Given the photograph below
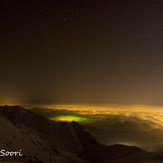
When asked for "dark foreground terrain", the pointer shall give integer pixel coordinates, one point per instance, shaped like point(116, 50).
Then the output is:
point(43, 140)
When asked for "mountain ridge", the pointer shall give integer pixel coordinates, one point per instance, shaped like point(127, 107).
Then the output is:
point(43, 140)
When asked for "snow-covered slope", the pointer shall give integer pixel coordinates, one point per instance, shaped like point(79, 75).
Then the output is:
point(40, 137)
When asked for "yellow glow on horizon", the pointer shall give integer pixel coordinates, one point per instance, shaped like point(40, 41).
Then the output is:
point(151, 113)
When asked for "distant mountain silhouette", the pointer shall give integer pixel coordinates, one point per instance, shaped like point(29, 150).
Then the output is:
point(119, 154)
point(41, 139)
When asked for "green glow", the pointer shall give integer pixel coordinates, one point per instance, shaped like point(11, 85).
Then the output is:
point(69, 118)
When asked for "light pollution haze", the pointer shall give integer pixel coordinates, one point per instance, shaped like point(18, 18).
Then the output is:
point(151, 113)
point(113, 124)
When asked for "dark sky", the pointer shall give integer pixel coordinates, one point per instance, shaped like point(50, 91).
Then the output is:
point(81, 51)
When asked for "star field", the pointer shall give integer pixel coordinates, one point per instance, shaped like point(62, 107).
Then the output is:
point(68, 51)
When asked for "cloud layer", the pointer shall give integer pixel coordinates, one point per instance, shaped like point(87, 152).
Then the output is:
point(118, 129)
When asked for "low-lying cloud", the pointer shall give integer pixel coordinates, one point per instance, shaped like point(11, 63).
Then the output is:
point(118, 129)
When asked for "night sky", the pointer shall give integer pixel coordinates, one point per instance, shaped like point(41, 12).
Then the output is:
point(81, 51)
